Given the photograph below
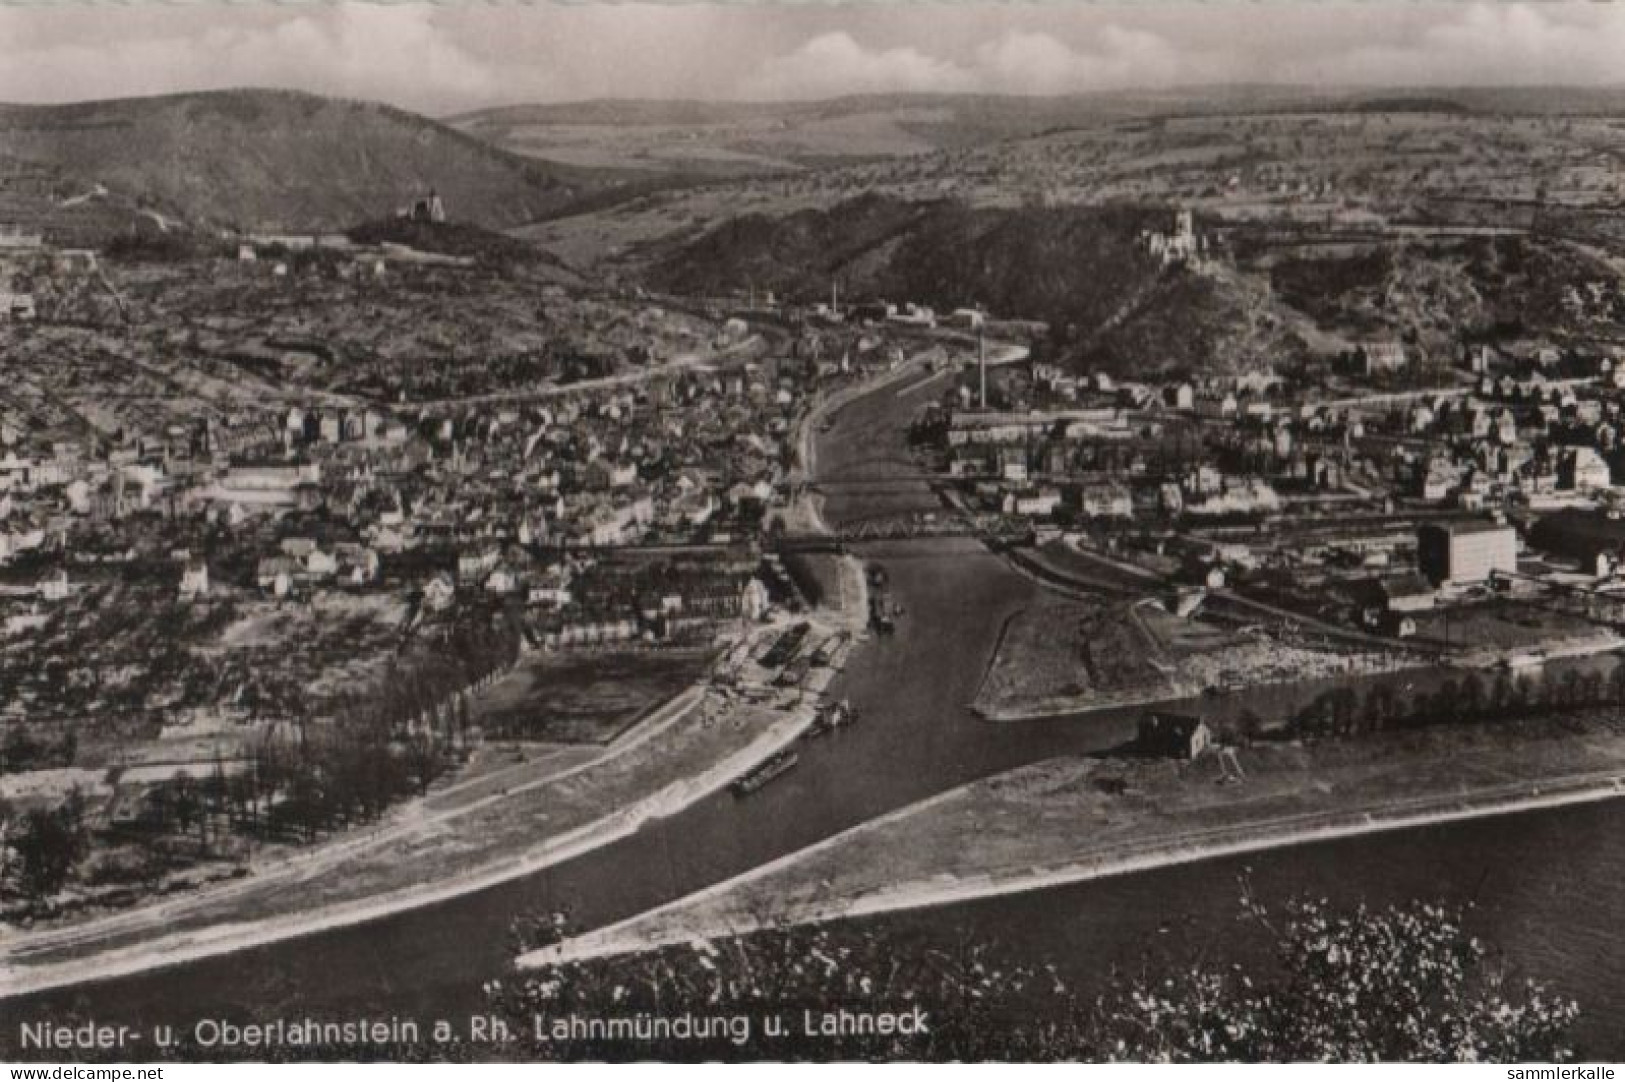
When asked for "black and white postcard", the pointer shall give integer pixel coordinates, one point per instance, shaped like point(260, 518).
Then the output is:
point(778, 532)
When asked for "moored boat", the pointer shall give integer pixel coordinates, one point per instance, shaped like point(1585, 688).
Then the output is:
point(764, 772)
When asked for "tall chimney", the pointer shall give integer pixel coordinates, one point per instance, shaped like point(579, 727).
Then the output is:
point(981, 348)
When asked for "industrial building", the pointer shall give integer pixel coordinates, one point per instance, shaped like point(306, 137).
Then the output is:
point(1465, 552)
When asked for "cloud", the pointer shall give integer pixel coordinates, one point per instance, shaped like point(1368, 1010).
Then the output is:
point(1016, 62)
point(1480, 44)
point(834, 64)
point(444, 58)
point(1038, 63)
point(1493, 44)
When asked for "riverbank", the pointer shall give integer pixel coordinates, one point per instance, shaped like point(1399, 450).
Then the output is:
point(452, 842)
point(1073, 819)
point(483, 831)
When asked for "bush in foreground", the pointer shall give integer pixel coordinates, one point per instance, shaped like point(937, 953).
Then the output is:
point(1406, 983)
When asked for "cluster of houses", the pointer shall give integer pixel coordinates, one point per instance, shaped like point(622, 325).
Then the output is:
point(302, 560)
point(1531, 441)
point(1534, 428)
point(491, 504)
point(1099, 448)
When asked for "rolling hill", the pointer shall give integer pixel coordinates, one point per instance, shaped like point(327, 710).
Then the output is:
point(1082, 270)
point(724, 139)
point(269, 160)
point(699, 139)
point(1060, 265)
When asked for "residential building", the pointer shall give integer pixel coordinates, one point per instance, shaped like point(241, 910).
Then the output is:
point(1174, 736)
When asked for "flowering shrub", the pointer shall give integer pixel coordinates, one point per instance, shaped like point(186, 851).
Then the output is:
point(1406, 983)
point(975, 1005)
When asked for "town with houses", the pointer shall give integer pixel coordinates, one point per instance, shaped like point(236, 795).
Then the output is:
point(228, 544)
point(229, 533)
point(783, 567)
point(194, 563)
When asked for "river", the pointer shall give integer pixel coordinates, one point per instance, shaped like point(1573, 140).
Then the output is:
point(1544, 881)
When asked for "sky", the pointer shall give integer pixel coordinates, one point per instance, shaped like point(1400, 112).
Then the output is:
point(450, 57)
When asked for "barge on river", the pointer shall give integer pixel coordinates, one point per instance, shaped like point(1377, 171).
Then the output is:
point(781, 763)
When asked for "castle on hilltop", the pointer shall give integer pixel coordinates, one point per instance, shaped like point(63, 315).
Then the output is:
point(1183, 247)
point(427, 209)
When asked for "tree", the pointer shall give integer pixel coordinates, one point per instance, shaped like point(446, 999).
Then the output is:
point(1333, 712)
point(422, 760)
point(49, 844)
point(188, 807)
point(1381, 706)
point(1249, 726)
point(1590, 689)
point(1616, 685)
point(460, 720)
point(1345, 709)
point(1501, 696)
point(1446, 705)
point(1473, 697)
point(18, 751)
point(1566, 690)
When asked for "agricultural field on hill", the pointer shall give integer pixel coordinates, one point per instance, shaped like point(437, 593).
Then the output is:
point(1330, 168)
point(326, 327)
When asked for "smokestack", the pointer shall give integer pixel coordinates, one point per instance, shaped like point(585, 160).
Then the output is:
point(981, 349)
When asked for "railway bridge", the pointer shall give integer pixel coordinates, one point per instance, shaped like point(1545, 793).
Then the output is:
point(907, 526)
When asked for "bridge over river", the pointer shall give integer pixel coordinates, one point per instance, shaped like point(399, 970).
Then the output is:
point(907, 526)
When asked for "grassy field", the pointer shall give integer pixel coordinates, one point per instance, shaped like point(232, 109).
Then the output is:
point(1071, 653)
point(1503, 626)
point(1078, 656)
point(1065, 807)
